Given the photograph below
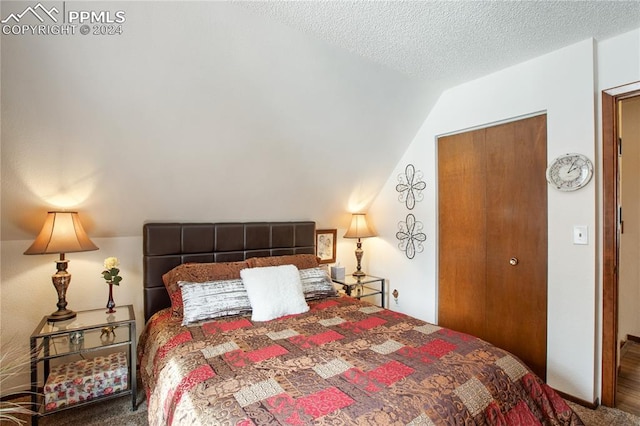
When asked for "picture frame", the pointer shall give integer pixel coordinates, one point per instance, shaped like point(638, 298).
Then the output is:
point(326, 245)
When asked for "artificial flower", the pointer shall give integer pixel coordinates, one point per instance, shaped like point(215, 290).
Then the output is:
point(110, 274)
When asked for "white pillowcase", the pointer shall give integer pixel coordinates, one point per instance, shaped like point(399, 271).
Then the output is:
point(274, 291)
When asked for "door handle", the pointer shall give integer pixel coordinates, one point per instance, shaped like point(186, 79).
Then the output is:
point(513, 261)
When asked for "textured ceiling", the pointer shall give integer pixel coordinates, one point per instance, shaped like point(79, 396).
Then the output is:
point(449, 42)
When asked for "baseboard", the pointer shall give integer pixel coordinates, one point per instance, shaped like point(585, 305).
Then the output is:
point(626, 344)
point(590, 405)
point(15, 395)
point(624, 347)
point(633, 338)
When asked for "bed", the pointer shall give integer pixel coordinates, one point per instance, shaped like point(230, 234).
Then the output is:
point(217, 349)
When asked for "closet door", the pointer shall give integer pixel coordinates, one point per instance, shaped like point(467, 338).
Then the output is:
point(493, 236)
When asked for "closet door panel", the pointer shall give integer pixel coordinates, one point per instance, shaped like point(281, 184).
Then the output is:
point(516, 191)
point(462, 235)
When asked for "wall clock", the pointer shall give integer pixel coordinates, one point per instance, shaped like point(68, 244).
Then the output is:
point(569, 172)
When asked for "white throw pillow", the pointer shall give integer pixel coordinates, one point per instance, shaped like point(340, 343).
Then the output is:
point(274, 291)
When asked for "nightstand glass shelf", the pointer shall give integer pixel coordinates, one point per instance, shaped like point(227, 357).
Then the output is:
point(363, 287)
point(92, 334)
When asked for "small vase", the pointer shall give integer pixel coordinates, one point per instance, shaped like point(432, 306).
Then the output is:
point(111, 304)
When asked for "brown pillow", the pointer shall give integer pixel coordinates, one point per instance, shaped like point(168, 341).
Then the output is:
point(198, 273)
point(301, 261)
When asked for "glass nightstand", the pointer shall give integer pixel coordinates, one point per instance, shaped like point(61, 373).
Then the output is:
point(92, 336)
point(363, 287)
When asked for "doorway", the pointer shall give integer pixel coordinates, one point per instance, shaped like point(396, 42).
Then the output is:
point(613, 225)
point(492, 233)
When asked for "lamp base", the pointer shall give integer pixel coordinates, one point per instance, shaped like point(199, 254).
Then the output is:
point(61, 315)
point(61, 280)
point(359, 252)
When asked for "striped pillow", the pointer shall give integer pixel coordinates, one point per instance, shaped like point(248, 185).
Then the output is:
point(198, 273)
point(213, 299)
point(316, 283)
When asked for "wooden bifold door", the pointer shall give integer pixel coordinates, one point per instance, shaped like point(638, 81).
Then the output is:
point(492, 230)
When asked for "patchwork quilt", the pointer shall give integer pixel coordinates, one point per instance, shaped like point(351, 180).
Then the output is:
point(345, 362)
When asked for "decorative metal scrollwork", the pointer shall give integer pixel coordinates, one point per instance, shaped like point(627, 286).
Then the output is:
point(410, 187)
point(411, 236)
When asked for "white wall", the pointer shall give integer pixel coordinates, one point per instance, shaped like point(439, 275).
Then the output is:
point(199, 111)
point(562, 84)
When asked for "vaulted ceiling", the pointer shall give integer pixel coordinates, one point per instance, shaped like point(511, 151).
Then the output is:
point(248, 110)
point(449, 42)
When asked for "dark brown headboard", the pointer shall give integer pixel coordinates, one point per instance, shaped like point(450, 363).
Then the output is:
point(167, 245)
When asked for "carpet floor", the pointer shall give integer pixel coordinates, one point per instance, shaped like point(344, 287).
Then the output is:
point(114, 412)
point(118, 412)
point(604, 416)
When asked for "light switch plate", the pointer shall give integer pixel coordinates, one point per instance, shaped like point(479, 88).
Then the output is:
point(580, 234)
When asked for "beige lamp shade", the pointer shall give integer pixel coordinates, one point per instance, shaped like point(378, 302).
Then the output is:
point(359, 227)
point(62, 232)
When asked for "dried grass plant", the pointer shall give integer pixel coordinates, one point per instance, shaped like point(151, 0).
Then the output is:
point(13, 362)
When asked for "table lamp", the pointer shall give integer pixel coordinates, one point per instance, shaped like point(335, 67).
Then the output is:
point(61, 233)
point(359, 228)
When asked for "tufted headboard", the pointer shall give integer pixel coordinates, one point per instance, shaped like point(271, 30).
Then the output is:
point(167, 245)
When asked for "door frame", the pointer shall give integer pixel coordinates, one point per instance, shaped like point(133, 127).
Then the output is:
point(610, 237)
